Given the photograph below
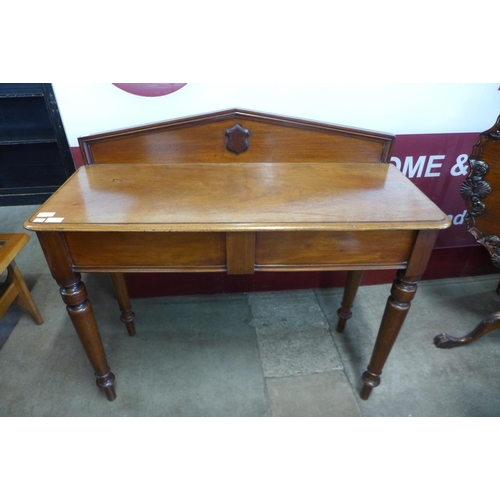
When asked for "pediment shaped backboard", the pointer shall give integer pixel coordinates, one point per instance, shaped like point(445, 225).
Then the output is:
point(237, 135)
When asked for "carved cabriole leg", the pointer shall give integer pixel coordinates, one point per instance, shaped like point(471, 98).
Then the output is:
point(396, 310)
point(120, 286)
point(490, 323)
point(74, 295)
point(350, 290)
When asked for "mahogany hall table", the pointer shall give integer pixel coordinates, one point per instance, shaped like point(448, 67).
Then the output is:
point(240, 218)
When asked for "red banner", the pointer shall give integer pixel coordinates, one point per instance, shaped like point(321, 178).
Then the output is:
point(437, 164)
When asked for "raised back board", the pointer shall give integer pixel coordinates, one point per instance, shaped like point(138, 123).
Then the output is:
point(237, 135)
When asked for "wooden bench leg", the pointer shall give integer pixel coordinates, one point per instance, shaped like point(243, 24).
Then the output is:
point(120, 286)
point(24, 298)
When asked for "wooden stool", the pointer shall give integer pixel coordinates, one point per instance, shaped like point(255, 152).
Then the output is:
point(14, 286)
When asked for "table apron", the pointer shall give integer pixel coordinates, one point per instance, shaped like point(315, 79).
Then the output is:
point(239, 253)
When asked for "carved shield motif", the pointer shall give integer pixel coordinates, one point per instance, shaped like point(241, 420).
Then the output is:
point(237, 139)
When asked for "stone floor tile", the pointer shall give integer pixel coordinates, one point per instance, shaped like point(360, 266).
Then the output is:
point(292, 333)
point(313, 395)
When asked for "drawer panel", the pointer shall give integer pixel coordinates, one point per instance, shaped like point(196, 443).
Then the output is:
point(320, 248)
point(154, 250)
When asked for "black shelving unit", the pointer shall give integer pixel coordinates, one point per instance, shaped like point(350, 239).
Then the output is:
point(35, 158)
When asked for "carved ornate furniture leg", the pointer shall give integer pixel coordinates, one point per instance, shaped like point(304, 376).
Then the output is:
point(350, 290)
point(490, 323)
point(398, 304)
point(122, 296)
point(480, 193)
point(74, 295)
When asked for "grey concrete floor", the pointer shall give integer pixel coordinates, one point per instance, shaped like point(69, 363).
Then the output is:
point(257, 354)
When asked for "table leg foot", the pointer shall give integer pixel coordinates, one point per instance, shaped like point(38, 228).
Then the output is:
point(445, 341)
point(343, 317)
point(370, 380)
point(107, 383)
point(129, 323)
point(121, 292)
point(351, 288)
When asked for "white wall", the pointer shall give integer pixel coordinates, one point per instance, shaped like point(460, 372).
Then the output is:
point(89, 108)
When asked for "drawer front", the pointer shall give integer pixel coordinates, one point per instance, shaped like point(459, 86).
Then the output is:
point(206, 251)
point(331, 249)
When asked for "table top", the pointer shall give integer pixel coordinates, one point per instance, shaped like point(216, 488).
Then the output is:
point(237, 197)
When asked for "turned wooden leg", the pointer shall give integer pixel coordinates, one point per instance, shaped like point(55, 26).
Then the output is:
point(122, 296)
point(350, 290)
point(397, 308)
point(402, 292)
point(490, 323)
point(74, 295)
point(24, 298)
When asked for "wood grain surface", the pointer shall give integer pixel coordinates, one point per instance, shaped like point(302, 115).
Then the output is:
point(239, 197)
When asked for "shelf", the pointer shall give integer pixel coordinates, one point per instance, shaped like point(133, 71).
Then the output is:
point(35, 153)
point(30, 198)
point(30, 177)
point(22, 191)
point(31, 141)
point(24, 120)
point(15, 139)
point(16, 90)
point(35, 158)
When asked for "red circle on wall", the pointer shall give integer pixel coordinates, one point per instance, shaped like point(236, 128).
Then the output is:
point(149, 89)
